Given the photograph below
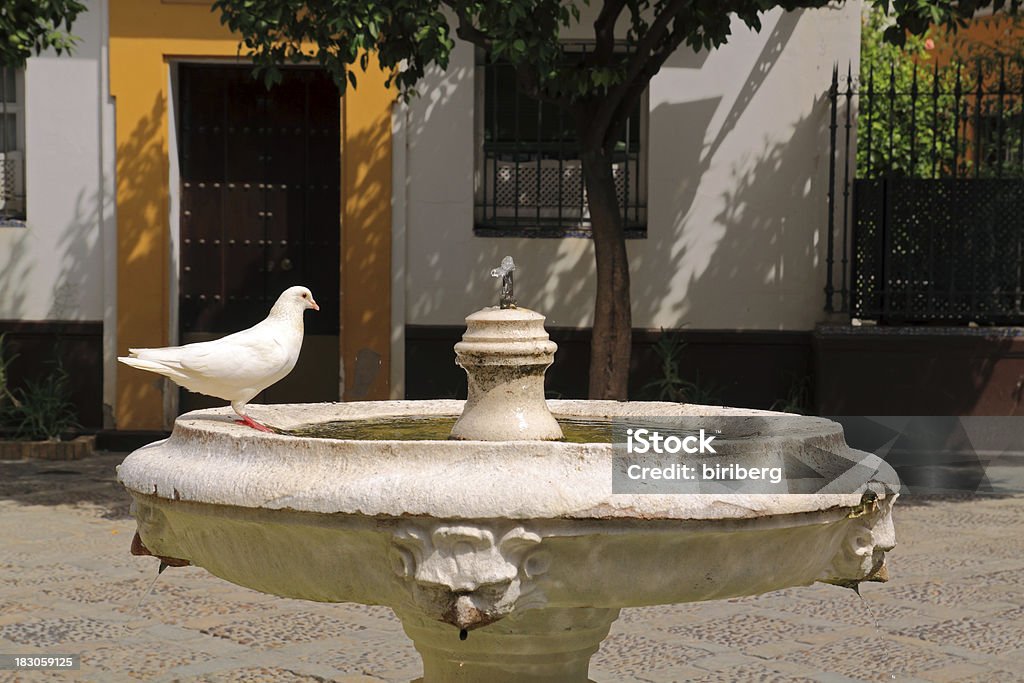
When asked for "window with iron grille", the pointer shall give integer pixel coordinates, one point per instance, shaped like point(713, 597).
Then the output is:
point(529, 178)
point(12, 146)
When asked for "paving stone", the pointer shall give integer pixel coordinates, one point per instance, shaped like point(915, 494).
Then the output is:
point(144, 664)
point(386, 657)
point(1000, 635)
point(746, 631)
point(48, 633)
point(843, 607)
point(971, 594)
point(750, 674)
point(262, 675)
point(279, 631)
point(642, 656)
point(991, 676)
point(871, 658)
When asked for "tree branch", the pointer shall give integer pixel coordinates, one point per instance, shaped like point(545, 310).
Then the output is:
point(604, 32)
point(466, 30)
point(636, 88)
point(529, 83)
point(655, 35)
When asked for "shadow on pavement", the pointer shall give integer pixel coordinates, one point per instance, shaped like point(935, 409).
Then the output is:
point(90, 481)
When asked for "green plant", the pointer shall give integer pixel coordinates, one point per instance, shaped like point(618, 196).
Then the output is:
point(7, 399)
point(798, 398)
point(931, 107)
point(42, 409)
point(707, 393)
point(908, 110)
point(671, 386)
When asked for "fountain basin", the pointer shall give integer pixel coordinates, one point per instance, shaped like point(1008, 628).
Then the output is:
point(523, 540)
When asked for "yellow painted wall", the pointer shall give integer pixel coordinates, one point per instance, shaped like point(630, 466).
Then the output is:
point(144, 36)
point(366, 238)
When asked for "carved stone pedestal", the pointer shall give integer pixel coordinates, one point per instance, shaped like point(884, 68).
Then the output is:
point(539, 645)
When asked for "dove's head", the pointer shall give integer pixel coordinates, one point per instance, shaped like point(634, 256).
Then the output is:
point(299, 298)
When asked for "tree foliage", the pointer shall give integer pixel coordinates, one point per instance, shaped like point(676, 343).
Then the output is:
point(916, 17)
point(907, 107)
point(28, 27)
point(408, 36)
point(919, 101)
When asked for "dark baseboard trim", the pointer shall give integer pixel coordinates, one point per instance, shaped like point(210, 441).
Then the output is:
point(67, 328)
point(641, 335)
point(752, 368)
point(126, 440)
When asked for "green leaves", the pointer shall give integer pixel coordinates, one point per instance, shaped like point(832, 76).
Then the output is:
point(916, 17)
point(409, 36)
point(406, 35)
point(28, 27)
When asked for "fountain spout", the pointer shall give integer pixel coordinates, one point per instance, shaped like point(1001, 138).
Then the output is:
point(504, 272)
point(505, 353)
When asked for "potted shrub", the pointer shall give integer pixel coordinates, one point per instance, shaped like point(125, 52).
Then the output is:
point(39, 420)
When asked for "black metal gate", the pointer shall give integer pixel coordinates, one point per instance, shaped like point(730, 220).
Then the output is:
point(938, 250)
point(929, 227)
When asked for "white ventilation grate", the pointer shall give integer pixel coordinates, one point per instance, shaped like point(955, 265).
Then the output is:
point(513, 188)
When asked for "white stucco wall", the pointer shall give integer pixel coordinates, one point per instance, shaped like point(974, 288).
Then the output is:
point(53, 268)
point(738, 173)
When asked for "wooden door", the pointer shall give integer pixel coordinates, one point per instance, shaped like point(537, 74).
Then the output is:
point(260, 212)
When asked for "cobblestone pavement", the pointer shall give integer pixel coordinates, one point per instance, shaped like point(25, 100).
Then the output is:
point(953, 610)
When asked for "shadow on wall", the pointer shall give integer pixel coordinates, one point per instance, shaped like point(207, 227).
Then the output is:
point(869, 371)
point(36, 347)
point(697, 158)
point(773, 48)
point(141, 166)
point(79, 249)
point(14, 274)
point(366, 226)
point(762, 248)
point(564, 274)
point(569, 271)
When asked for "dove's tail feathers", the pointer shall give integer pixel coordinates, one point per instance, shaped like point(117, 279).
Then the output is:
point(152, 366)
point(169, 355)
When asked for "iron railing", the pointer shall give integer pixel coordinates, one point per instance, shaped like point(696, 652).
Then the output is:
point(529, 175)
point(926, 194)
point(12, 168)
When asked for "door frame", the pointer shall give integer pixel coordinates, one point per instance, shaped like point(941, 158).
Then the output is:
point(145, 296)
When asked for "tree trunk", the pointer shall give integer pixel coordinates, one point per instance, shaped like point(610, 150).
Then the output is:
point(612, 339)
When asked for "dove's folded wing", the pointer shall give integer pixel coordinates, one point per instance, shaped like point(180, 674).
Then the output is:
point(238, 359)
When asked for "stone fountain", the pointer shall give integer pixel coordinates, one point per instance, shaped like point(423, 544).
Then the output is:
point(507, 553)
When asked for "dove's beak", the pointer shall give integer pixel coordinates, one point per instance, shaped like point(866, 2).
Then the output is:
point(313, 304)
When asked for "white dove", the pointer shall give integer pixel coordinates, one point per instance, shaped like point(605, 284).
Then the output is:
point(240, 365)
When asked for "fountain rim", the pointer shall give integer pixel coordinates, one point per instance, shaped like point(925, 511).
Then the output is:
point(210, 459)
point(283, 415)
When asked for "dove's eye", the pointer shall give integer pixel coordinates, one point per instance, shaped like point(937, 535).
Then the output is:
point(303, 296)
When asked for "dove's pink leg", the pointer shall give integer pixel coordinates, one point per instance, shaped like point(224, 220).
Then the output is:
point(246, 420)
